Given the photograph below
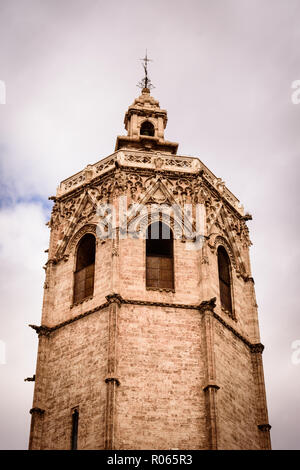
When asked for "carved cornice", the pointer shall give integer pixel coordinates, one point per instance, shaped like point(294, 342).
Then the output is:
point(183, 187)
point(146, 161)
point(207, 305)
point(49, 329)
point(100, 179)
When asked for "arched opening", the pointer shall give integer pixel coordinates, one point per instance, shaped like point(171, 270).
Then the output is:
point(224, 279)
point(147, 128)
point(85, 268)
point(159, 256)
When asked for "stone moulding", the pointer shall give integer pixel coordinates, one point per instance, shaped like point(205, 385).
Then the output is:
point(46, 330)
point(206, 305)
point(211, 385)
point(254, 347)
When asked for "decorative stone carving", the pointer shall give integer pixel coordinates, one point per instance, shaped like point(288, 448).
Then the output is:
point(41, 330)
point(257, 348)
point(100, 167)
point(264, 427)
point(158, 162)
point(138, 158)
point(208, 305)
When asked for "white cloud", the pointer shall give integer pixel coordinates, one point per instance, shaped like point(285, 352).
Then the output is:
point(23, 239)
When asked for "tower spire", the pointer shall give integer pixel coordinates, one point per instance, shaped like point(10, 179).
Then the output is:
point(145, 83)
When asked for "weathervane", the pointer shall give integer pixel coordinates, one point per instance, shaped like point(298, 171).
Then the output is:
point(145, 82)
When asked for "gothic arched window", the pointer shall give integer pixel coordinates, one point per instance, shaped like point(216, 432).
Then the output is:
point(147, 128)
point(85, 268)
point(159, 256)
point(224, 279)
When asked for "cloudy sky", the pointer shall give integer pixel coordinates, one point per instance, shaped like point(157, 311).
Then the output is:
point(223, 69)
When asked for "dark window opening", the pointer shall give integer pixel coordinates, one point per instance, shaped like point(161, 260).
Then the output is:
point(147, 128)
point(224, 279)
point(74, 436)
point(85, 268)
point(159, 256)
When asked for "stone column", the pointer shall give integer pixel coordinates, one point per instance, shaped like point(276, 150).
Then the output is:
point(133, 126)
point(160, 127)
point(36, 428)
point(48, 298)
point(205, 270)
point(205, 267)
point(252, 316)
point(38, 409)
point(210, 388)
point(111, 379)
point(115, 263)
point(262, 411)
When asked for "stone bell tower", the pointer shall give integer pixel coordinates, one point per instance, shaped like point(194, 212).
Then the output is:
point(149, 336)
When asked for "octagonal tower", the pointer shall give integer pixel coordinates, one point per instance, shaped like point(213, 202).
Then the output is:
point(149, 336)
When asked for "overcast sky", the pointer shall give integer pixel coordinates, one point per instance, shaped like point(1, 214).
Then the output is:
point(223, 69)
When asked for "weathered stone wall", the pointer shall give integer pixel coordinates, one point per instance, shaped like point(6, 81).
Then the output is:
point(76, 367)
point(160, 402)
point(236, 400)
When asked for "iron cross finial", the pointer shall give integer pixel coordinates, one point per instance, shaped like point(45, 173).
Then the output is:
point(145, 82)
